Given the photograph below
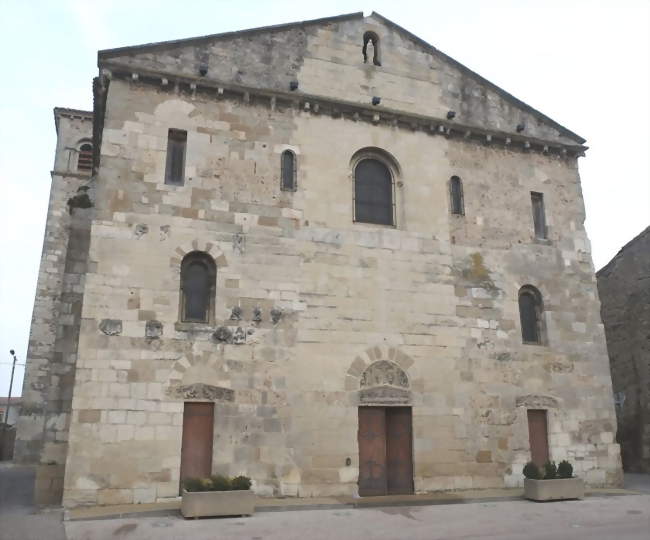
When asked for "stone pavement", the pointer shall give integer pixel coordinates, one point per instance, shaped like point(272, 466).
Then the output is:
point(595, 518)
point(19, 519)
point(476, 514)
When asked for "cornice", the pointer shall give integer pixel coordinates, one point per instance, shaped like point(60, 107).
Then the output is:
point(337, 108)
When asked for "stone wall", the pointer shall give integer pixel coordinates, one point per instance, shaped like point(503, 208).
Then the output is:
point(42, 430)
point(624, 287)
point(322, 299)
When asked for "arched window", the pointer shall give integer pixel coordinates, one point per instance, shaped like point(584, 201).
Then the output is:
point(456, 194)
point(198, 284)
point(371, 48)
point(530, 314)
point(85, 159)
point(288, 171)
point(373, 192)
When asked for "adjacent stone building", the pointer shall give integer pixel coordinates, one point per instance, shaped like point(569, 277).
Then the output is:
point(624, 287)
point(322, 254)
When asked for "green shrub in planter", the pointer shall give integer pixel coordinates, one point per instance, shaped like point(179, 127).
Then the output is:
point(193, 484)
point(565, 469)
point(550, 470)
point(532, 471)
point(220, 483)
point(241, 483)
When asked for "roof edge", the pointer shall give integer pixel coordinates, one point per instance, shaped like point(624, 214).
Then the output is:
point(481, 79)
point(605, 268)
point(107, 53)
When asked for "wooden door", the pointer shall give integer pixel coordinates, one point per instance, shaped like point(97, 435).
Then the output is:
point(198, 428)
point(538, 436)
point(372, 451)
point(399, 451)
point(385, 451)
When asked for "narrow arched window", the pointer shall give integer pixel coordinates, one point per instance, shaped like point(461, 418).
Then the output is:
point(530, 314)
point(85, 158)
point(370, 48)
point(373, 193)
point(198, 284)
point(456, 194)
point(288, 171)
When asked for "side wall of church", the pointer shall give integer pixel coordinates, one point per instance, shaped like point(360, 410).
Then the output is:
point(42, 430)
point(624, 288)
point(435, 295)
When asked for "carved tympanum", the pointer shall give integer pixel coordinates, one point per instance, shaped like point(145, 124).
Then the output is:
point(384, 373)
point(201, 391)
point(536, 401)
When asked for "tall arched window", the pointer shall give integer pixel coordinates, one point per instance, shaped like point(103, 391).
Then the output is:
point(530, 314)
point(373, 192)
point(456, 194)
point(371, 48)
point(198, 284)
point(288, 171)
point(85, 158)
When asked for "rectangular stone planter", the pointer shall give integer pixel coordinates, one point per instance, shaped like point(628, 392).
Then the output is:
point(197, 504)
point(554, 490)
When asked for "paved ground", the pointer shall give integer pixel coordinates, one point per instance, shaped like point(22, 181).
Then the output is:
point(624, 517)
point(19, 520)
point(598, 518)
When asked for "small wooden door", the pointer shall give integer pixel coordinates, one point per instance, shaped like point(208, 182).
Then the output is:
point(538, 436)
point(385, 451)
point(399, 452)
point(198, 428)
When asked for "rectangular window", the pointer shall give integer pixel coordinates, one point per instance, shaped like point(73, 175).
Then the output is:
point(175, 167)
point(539, 219)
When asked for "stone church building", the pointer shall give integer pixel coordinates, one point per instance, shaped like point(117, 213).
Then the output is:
point(624, 287)
point(322, 254)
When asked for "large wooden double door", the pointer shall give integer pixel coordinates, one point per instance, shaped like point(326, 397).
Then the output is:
point(385, 451)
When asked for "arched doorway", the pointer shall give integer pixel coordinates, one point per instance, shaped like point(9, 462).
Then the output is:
point(385, 432)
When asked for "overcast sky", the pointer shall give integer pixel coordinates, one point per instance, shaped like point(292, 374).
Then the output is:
point(584, 63)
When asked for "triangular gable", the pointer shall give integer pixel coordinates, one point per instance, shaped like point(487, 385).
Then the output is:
point(324, 57)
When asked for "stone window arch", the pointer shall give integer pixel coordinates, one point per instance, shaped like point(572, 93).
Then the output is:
point(370, 48)
point(456, 196)
point(288, 171)
point(197, 288)
point(374, 173)
point(531, 310)
point(85, 156)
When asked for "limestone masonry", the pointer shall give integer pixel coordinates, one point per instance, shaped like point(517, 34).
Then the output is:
point(324, 255)
point(624, 286)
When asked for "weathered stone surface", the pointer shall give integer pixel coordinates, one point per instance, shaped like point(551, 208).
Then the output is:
point(153, 329)
point(111, 327)
point(201, 391)
point(624, 289)
point(432, 299)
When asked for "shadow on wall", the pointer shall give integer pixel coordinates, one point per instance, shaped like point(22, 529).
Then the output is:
point(7, 438)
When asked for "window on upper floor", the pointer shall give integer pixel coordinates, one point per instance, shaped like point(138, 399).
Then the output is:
point(288, 171)
point(539, 217)
point(531, 314)
point(85, 157)
point(370, 48)
point(198, 287)
point(175, 165)
point(373, 192)
point(456, 196)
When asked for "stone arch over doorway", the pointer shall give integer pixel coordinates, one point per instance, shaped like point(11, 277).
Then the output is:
point(379, 376)
point(190, 379)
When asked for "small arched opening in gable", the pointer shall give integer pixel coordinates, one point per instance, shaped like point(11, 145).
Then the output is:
point(370, 48)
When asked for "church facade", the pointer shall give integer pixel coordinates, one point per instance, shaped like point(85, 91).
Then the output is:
point(322, 254)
